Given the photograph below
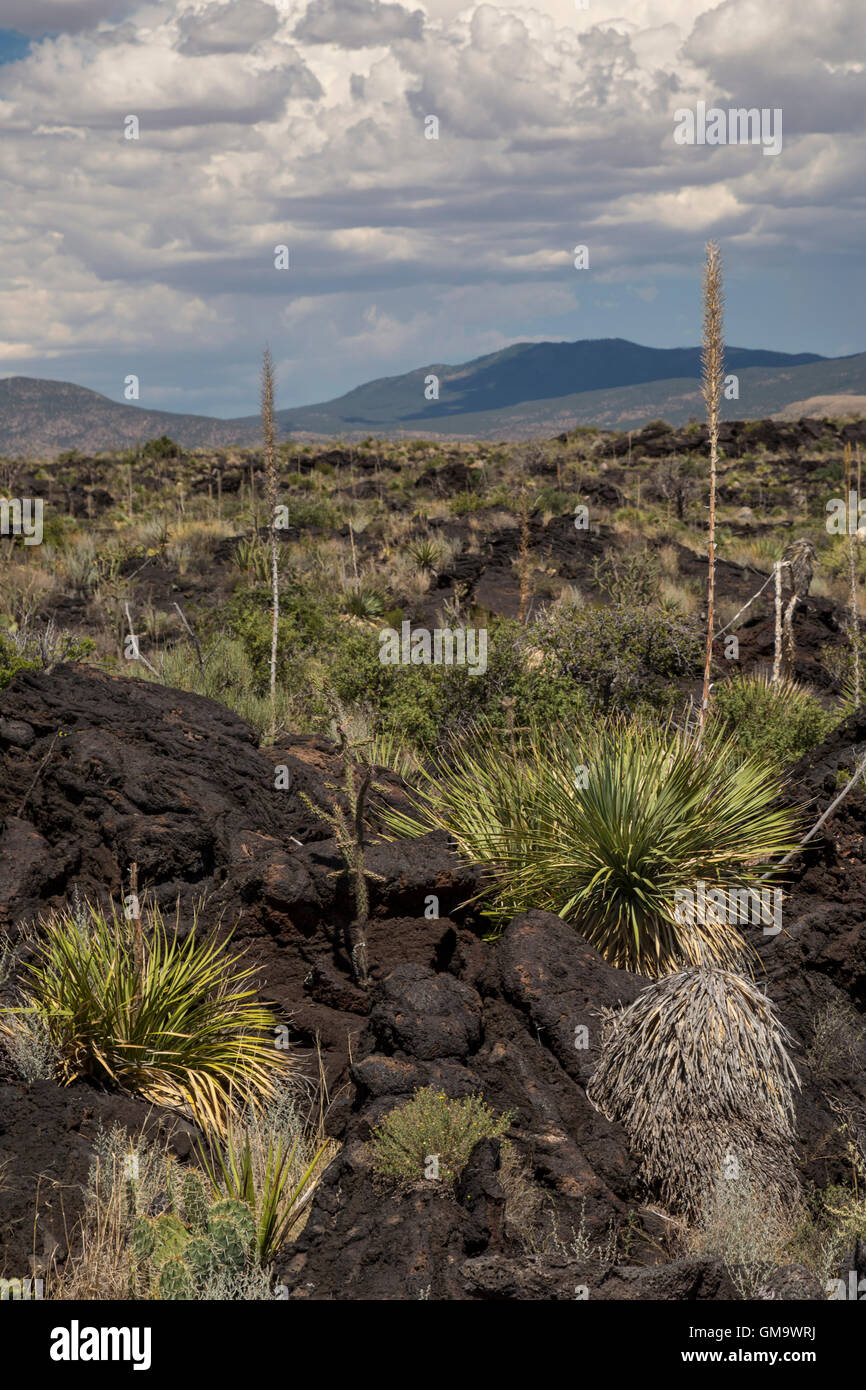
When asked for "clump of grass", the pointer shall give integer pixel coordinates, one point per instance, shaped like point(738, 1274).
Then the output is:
point(137, 1188)
point(227, 677)
point(433, 1126)
point(697, 1071)
point(174, 1021)
point(776, 721)
point(128, 1175)
point(838, 1036)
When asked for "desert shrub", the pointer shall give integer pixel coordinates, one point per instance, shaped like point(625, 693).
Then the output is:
point(309, 623)
point(46, 645)
point(697, 1072)
point(748, 1227)
point(315, 511)
point(430, 706)
point(631, 580)
point(622, 656)
point(12, 661)
point(174, 1021)
point(161, 448)
point(433, 1125)
point(778, 723)
point(465, 502)
point(29, 1046)
point(605, 827)
point(838, 1036)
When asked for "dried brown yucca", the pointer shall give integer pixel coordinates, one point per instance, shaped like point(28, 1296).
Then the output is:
point(697, 1070)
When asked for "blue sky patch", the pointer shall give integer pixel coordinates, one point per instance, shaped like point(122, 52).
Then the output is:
point(13, 46)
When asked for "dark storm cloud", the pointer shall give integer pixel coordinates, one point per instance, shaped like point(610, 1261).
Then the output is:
point(231, 28)
point(358, 23)
point(59, 16)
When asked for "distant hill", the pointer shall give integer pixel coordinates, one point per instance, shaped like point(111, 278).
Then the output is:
point(45, 417)
point(527, 389)
point(533, 376)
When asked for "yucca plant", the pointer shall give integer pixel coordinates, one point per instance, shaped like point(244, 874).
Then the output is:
point(426, 552)
point(183, 1027)
point(363, 603)
point(604, 829)
point(272, 1175)
point(697, 1072)
point(253, 557)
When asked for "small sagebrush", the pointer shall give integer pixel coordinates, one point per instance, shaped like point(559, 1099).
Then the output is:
point(697, 1069)
point(432, 1125)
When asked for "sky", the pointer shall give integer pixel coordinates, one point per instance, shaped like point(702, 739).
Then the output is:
point(304, 124)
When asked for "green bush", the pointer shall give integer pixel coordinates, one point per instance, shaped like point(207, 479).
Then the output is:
point(431, 1125)
point(161, 448)
point(622, 656)
point(778, 723)
point(11, 661)
point(430, 706)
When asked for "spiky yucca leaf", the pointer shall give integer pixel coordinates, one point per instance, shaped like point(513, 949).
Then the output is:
point(604, 829)
point(697, 1070)
point(187, 1030)
point(270, 1176)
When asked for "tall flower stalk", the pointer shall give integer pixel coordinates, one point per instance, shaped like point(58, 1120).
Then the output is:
point(712, 361)
point(269, 432)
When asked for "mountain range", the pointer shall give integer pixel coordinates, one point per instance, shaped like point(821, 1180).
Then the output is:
point(523, 390)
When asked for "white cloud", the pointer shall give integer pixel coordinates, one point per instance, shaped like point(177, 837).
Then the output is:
point(304, 123)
